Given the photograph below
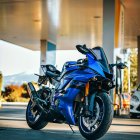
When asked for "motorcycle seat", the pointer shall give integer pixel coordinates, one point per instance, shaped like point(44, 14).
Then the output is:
point(52, 74)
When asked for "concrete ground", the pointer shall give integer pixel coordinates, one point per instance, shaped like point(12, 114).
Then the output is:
point(13, 127)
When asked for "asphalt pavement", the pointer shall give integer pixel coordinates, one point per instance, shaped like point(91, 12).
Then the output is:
point(14, 127)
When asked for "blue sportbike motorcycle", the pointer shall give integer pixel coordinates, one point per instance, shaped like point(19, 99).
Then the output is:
point(80, 95)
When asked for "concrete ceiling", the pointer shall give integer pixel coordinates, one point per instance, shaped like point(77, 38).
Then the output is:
point(64, 22)
point(21, 22)
point(26, 22)
point(132, 22)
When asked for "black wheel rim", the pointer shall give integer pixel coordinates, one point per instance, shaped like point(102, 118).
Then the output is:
point(32, 113)
point(91, 124)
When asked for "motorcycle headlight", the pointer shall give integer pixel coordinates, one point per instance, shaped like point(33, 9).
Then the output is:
point(135, 98)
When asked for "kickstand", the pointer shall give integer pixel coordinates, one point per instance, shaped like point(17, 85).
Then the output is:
point(71, 128)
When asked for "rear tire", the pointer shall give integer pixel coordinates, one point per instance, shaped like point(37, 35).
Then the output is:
point(101, 122)
point(33, 121)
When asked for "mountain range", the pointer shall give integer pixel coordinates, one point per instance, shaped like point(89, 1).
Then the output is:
point(18, 79)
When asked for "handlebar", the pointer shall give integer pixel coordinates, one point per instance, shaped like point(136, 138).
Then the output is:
point(51, 74)
point(119, 65)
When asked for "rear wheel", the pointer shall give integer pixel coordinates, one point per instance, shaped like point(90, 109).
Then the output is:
point(35, 119)
point(96, 126)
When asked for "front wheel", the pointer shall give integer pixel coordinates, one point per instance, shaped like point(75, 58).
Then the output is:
point(94, 127)
point(35, 119)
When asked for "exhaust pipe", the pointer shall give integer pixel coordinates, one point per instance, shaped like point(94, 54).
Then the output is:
point(39, 103)
point(32, 92)
point(35, 98)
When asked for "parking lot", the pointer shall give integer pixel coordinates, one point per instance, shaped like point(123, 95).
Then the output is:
point(13, 126)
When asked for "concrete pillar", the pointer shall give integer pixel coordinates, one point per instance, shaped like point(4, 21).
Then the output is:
point(109, 33)
point(51, 53)
point(43, 50)
point(1, 80)
point(138, 43)
point(47, 52)
point(109, 28)
point(43, 55)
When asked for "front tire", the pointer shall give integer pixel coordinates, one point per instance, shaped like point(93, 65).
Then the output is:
point(94, 127)
point(35, 119)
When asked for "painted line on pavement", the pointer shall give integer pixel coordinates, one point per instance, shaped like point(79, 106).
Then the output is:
point(14, 107)
point(12, 118)
point(14, 103)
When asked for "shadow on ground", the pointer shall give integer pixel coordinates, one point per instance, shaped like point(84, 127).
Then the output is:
point(28, 134)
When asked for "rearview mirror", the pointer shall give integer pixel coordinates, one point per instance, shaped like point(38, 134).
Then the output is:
point(133, 91)
point(121, 66)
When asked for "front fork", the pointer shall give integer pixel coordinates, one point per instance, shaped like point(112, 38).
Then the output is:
point(89, 101)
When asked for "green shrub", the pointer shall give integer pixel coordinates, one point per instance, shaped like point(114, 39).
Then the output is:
point(1, 79)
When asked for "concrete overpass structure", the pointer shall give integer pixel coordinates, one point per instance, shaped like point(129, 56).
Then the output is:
point(49, 25)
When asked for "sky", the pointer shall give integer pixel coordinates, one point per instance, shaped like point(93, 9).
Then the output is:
point(19, 64)
point(63, 56)
point(15, 59)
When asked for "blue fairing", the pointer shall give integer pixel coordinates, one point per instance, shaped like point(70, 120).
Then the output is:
point(68, 67)
point(66, 104)
point(81, 77)
point(95, 65)
point(66, 100)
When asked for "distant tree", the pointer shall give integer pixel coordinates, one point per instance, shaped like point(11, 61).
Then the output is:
point(133, 68)
point(1, 79)
point(15, 93)
point(125, 80)
point(25, 93)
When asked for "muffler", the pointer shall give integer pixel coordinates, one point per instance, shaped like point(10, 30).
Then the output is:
point(35, 98)
point(32, 91)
